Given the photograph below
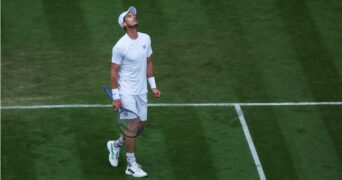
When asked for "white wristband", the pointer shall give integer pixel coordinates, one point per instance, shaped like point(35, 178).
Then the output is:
point(152, 82)
point(115, 94)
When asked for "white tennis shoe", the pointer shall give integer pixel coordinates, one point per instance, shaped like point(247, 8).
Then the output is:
point(135, 170)
point(114, 154)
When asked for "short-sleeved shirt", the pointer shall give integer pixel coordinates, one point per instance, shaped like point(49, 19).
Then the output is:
point(131, 55)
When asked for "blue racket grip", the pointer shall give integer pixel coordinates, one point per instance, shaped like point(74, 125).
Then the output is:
point(109, 93)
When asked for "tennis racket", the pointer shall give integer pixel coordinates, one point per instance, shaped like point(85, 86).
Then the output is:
point(127, 121)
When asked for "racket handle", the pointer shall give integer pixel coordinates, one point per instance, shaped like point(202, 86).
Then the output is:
point(109, 93)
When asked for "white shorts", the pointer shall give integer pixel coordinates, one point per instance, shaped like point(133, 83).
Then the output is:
point(135, 103)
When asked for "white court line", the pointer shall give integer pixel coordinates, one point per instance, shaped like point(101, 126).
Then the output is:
point(250, 142)
point(57, 106)
point(173, 105)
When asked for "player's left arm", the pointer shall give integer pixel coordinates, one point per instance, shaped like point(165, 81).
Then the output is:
point(151, 79)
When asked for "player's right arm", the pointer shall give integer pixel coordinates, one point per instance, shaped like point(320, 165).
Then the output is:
point(114, 76)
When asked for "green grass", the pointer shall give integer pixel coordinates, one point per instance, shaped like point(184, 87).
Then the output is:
point(297, 142)
point(58, 52)
point(71, 144)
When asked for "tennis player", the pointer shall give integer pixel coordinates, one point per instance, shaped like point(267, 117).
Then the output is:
point(131, 69)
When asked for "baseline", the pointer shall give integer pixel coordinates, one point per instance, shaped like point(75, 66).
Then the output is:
point(173, 104)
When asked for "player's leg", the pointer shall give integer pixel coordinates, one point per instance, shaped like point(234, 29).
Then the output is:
point(133, 168)
point(129, 102)
point(114, 148)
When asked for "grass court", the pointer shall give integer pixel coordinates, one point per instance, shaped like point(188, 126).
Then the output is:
point(209, 57)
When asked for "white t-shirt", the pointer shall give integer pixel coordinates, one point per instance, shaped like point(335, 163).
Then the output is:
point(131, 55)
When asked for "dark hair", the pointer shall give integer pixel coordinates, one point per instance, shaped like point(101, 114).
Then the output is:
point(124, 20)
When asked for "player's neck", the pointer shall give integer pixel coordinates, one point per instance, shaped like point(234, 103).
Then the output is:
point(132, 33)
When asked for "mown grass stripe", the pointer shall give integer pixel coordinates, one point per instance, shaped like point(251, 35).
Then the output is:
point(63, 19)
point(188, 153)
point(270, 142)
point(311, 51)
point(309, 141)
point(314, 56)
point(15, 147)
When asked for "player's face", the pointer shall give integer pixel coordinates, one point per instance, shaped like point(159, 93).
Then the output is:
point(130, 20)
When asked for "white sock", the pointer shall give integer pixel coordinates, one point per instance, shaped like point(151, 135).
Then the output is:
point(130, 158)
point(119, 142)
